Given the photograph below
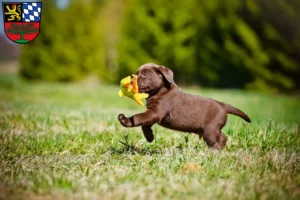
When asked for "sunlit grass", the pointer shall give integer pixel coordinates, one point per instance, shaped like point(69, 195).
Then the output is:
point(64, 141)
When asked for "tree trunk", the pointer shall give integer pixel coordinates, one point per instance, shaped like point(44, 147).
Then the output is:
point(22, 36)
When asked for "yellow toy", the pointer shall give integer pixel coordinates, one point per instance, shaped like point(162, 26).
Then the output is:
point(132, 90)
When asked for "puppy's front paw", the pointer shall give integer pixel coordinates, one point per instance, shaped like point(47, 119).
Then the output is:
point(124, 121)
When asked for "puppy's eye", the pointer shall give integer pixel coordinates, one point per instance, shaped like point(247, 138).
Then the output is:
point(144, 74)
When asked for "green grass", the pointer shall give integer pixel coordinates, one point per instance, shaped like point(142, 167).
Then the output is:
point(64, 141)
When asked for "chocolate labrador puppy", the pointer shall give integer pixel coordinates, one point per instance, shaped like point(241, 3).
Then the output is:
point(170, 107)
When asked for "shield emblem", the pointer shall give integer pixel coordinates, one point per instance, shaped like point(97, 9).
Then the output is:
point(22, 21)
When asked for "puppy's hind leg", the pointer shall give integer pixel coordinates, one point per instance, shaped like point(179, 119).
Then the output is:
point(148, 133)
point(199, 133)
point(214, 137)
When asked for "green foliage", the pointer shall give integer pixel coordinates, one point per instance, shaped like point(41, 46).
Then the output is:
point(69, 45)
point(21, 29)
point(158, 32)
point(214, 43)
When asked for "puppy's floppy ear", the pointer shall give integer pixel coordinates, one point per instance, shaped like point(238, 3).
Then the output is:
point(167, 74)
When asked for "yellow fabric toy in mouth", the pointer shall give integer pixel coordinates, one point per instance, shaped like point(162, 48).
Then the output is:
point(132, 90)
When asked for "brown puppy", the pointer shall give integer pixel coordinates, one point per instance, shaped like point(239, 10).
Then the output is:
point(170, 107)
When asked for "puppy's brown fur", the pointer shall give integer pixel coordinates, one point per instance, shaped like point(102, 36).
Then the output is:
point(170, 107)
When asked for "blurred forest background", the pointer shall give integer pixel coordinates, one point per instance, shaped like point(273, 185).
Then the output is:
point(247, 44)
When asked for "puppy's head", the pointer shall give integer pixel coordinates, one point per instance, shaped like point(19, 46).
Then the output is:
point(152, 77)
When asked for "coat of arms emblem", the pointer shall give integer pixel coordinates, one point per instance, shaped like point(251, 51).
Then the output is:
point(22, 21)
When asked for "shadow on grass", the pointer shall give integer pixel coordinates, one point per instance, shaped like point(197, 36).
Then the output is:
point(130, 148)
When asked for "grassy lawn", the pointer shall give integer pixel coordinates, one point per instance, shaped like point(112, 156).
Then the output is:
point(63, 141)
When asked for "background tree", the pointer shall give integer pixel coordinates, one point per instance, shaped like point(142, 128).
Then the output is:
point(212, 43)
point(215, 43)
point(159, 32)
point(242, 46)
point(69, 46)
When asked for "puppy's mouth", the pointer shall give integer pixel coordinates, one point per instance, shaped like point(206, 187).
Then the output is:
point(143, 89)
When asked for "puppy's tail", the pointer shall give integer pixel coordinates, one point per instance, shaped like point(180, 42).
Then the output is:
point(233, 110)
